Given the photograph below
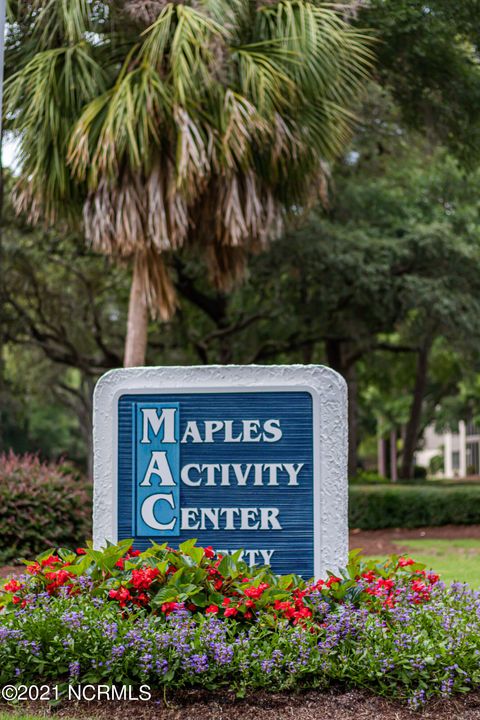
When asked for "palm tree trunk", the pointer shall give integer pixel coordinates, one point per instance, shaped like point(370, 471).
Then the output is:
point(137, 324)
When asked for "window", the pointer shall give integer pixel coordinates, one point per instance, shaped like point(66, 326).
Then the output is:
point(455, 460)
point(473, 428)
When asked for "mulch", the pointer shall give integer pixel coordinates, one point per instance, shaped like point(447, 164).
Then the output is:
point(309, 705)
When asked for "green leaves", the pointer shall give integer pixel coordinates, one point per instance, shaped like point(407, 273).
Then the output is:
point(205, 128)
point(42, 101)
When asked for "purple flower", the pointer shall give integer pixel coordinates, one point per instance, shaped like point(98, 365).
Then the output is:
point(74, 670)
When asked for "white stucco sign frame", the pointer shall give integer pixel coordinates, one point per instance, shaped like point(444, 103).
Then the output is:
point(329, 401)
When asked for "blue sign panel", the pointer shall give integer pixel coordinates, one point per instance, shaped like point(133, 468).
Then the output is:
point(232, 469)
point(156, 480)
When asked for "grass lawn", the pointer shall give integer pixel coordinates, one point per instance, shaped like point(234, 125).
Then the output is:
point(453, 560)
point(20, 716)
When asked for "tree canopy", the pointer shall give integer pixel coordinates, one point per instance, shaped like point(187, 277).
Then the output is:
point(198, 152)
point(177, 124)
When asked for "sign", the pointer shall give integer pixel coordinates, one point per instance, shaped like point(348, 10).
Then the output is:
point(250, 458)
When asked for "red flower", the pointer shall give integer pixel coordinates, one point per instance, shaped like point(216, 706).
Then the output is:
point(57, 579)
point(141, 599)
point(226, 601)
point(282, 605)
point(253, 592)
point(218, 584)
point(387, 584)
point(209, 551)
point(12, 586)
point(169, 606)
point(248, 615)
point(120, 563)
point(418, 586)
point(230, 612)
point(50, 560)
point(212, 609)
point(17, 600)
point(302, 614)
point(286, 608)
point(122, 595)
point(143, 578)
point(81, 551)
point(405, 562)
point(332, 580)
point(33, 569)
point(256, 592)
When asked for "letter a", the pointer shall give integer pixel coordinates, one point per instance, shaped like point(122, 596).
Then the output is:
point(158, 465)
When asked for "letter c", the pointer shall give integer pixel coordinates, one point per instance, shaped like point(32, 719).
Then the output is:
point(148, 516)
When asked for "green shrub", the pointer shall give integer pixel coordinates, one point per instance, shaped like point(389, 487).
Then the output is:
point(420, 472)
point(373, 507)
point(436, 464)
point(369, 477)
point(41, 504)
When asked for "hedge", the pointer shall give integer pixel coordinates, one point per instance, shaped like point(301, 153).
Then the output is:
point(372, 507)
point(41, 505)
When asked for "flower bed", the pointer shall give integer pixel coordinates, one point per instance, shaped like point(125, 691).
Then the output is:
point(187, 618)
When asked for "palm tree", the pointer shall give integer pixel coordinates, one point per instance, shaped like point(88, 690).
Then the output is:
point(200, 124)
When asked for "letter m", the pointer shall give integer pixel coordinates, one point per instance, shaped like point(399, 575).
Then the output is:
point(164, 421)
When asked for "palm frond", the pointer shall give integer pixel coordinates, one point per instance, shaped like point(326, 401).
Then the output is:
point(332, 57)
point(122, 125)
point(206, 128)
point(196, 42)
point(239, 127)
point(262, 76)
point(192, 152)
point(69, 20)
point(192, 40)
point(40, 102)
point(235, 16)
point(157, 37)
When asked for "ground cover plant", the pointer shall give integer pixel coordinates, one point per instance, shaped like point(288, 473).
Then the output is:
point(188, 618)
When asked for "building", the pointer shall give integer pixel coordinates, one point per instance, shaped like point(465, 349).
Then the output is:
point(460, 450)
